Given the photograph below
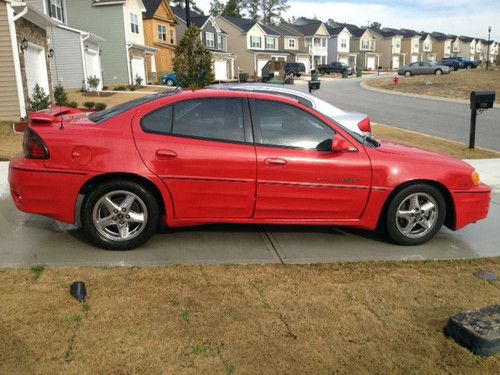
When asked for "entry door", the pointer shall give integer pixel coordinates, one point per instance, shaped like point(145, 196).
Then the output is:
point(220, 70)
point(370, 63)
point(36, 68)
point(202, 150)
point(296, 179)
point(93, 64)
point(260, 65)
point(138, 69)
point(305, 61)
point(395, 62)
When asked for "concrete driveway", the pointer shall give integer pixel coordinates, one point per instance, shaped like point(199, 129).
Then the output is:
point(443, 119)
point(30, 239)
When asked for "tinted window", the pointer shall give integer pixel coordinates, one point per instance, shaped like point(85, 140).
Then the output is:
point(159, 121)
point(220, 119)
point(284, 125)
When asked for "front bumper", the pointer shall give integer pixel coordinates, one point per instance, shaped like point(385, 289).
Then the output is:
point(471, 205)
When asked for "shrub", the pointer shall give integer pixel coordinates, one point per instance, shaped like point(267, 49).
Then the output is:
point(244, 77)
point(39, 100)
point(89, 105)
point(100, 106)
point(120, 88)
point(131, 87)
point(138, 80)
point(105, 87)
point(93, 82)
point(73, 104)
point(60, 96)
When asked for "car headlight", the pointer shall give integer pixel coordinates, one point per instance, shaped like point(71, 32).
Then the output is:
point(475, 178)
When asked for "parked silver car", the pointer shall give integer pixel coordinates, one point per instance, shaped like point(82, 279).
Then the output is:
point(423, 67)
point(354, 121)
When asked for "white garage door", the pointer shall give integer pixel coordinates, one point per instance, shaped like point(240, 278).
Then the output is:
point(414, 58)
point(305, 61)
point(260, 65)
point(93, 65)
point(370, 63)
point(138, 69)
point(344, 60)
point(395, 62)
point(36, 68)
point(220, 70)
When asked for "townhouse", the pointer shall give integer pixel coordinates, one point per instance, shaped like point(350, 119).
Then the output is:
point(339, 46)
point(364, 43)
point(389, 47)
point(253, 43)
point(214, 38)
point(124, 55)
point(410, 45)
point(292, 42)
point(24, 56)
point(442, 45)
point(160, 33)
point(316, 38)
point(466, 47)
point(426, 47)
point(76, 54)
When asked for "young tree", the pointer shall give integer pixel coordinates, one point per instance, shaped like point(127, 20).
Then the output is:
point(192, 61)
point(39, 100)
point(273, 9)
point(216, 8)
point(60, 95)
point(253, 8)
point(331, 22)
point(192, 4)
point(232, 8)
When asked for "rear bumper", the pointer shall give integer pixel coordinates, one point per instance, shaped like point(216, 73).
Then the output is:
point(52, 193)
point(471, 205)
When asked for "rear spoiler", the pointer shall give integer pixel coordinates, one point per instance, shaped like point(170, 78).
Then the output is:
point(51, 115)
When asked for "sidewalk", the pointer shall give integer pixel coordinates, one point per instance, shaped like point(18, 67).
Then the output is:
point(489, 171)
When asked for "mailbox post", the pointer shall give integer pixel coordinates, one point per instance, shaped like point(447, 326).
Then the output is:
point(479, 100)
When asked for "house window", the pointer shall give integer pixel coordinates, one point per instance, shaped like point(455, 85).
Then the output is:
point(398, 43)
point(172, 37)
point(56, 9)
point(365, 44)
point(343, 43)
point(255, 42)
point(134, 23)
point(219, 41)
point(270, 43)
point(210, 40)
point(162, 33)
point(291, 43)
point(323, 42)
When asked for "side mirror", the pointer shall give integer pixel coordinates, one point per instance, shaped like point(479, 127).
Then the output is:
point(340, 144)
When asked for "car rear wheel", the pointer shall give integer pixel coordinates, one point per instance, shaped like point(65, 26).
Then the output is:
point(291, 74)
point(438, 72)
point(407, 73)
point(415, 214)
point(119, 215)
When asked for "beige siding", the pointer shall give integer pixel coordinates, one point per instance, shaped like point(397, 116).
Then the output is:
point(9, 102)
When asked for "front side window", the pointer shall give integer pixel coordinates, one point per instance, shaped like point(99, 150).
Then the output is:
point(56, 9)
point(172, 40)
point(210, 39)
point(323, 42)
point(284, 125)
point(162, 33)
point(343, 43)
point(218, 119)
point(134, 23)
point(365, 44)
point(291, 43)
point(219, 41)
point(255, 42)
point(270, 43)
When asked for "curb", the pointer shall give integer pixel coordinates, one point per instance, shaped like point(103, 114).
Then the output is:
point(365, 86)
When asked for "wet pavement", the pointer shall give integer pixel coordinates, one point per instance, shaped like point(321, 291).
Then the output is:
point(31, 239)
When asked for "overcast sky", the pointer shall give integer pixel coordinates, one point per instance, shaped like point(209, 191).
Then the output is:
point(461, 17)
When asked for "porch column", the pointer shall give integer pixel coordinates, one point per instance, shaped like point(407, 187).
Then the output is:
point(312, 53)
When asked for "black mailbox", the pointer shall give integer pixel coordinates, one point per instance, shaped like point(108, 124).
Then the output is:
point(482, 99)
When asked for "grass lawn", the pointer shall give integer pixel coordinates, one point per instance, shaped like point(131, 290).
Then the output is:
point(10, 142)
point(377, 318)
point(457, 85)
point(110, 99)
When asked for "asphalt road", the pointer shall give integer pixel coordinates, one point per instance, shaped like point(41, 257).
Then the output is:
point(443, 119)
point(27, 240)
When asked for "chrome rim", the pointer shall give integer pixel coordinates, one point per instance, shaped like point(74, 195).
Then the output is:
point(417, 215)
point(120, 215)
point(407, 74)
point(438, 72)
point(170, 82)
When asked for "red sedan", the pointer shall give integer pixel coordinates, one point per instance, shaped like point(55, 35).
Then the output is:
point(214, 156)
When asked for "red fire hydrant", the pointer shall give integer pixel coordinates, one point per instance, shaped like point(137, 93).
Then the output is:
point(397, 81)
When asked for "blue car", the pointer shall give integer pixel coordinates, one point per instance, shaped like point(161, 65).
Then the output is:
point(170, 80)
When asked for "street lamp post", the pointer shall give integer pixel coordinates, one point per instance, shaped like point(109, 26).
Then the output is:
point(188, 14)
point(488, 51)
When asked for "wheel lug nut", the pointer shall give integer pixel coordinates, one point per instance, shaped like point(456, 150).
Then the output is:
point(123, 209)
point(128, 216)
point(121, 222)
point(114, 217)
point(115, 211)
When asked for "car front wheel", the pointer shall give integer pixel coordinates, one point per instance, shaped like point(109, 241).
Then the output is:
point(407, 73)
point(415, 214)
point(119, 215)
point(169, 82)
point(438, 72)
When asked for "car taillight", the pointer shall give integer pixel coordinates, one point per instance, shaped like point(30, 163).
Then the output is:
point(365, 125)
point(33, 146)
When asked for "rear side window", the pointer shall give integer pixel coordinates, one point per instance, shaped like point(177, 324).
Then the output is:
point(159, 121)
point(217, 119)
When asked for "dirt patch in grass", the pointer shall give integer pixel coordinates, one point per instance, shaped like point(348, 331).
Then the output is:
point(10, 143)
point(110, 101)
point(321, 319)
point(454, 149)
point(456, 85)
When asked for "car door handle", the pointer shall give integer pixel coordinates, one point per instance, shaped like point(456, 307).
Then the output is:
point(165, 154)
point(275, 161)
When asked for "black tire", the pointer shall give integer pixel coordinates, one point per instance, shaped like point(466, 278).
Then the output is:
point(394, 223)
point(292, 74)
point(407, 73)
point(145, 199)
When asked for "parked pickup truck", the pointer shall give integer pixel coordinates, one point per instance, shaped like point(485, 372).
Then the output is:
point(467, 64)
point(452, 63)
point(336, 67)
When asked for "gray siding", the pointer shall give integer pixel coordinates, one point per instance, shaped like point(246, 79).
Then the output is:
point(9, 99)
point(107, 22)
point(67, 64)
point(237, 44)
point(38, 4)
